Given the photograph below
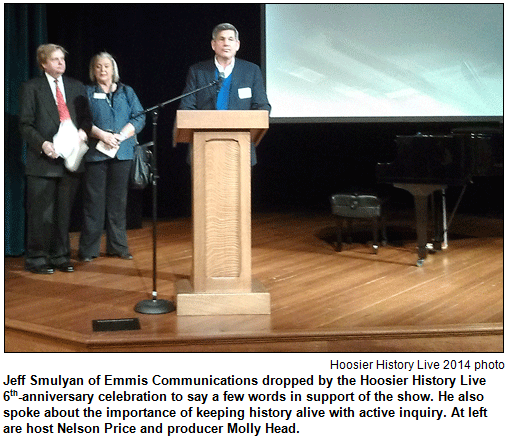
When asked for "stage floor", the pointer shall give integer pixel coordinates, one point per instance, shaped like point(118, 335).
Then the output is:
point(321, 300)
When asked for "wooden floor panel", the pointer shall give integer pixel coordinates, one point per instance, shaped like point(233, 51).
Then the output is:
point(321, 300)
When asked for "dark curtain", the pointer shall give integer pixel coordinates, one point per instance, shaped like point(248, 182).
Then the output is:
point(25, 29)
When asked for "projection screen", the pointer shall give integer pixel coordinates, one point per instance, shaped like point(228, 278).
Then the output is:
point(394, 61)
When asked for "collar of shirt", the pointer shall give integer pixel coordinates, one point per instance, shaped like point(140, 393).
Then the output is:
point(228, 70)
point(52, 84)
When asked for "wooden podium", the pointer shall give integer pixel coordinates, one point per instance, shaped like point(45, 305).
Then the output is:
point(221, 281)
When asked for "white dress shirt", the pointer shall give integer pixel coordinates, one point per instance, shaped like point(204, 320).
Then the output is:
point(52, 84)
point(228, 70)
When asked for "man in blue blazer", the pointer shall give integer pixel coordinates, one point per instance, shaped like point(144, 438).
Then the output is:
point(50, 187)
point(241, 86)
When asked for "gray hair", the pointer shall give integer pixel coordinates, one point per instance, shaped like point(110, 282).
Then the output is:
point(224, 27)
point(116, 74)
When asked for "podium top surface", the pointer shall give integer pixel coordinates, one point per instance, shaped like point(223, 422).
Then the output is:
point(189, 121)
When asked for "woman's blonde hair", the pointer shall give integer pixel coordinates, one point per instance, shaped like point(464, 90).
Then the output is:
point(116, 74)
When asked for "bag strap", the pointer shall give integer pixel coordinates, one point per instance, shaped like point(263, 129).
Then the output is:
point(130, 107)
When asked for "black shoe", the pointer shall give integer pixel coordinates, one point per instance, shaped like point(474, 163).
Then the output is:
point(64, 267)
point(41, 270)
point(87, 259)
point(122, 256)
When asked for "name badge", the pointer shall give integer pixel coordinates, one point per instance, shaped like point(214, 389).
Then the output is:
point(245, 93)
point(99, 95)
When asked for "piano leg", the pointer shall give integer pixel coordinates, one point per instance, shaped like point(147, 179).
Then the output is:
point(420, 193)
point(445, 226)
point(421, 215)
point(438, 219)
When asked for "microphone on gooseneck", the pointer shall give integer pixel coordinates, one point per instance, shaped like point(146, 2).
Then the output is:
point(221, 77)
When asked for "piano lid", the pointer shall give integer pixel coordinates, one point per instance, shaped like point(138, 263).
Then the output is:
point(440, 159)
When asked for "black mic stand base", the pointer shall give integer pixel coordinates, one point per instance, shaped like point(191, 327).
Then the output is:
point(154, 306)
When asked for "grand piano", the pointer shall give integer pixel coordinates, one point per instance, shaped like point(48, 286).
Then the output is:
point(428, 163)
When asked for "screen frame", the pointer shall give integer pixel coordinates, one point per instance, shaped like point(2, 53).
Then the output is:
point(362, 119)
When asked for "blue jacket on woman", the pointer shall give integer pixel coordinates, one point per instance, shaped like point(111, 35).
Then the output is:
point(111, 112)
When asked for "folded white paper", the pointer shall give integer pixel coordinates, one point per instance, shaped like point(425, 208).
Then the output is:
point(111, 152)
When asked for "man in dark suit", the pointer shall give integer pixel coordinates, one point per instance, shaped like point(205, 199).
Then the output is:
point(50, 187)
point(241, 86)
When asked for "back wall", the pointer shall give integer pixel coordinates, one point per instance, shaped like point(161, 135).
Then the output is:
point(300, 165)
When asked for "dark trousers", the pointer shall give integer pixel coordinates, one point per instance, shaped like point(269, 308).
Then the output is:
point(48, 206)
point(105, 203)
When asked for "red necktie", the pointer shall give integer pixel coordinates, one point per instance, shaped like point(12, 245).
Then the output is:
point(60, 102)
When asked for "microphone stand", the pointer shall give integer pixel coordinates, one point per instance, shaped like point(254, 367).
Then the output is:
point(155, 306)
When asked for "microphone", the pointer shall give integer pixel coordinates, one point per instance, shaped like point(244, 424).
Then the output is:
point(220, 80)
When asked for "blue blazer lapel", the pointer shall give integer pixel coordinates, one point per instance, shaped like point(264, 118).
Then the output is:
point(237, 72)
point(233, 92)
